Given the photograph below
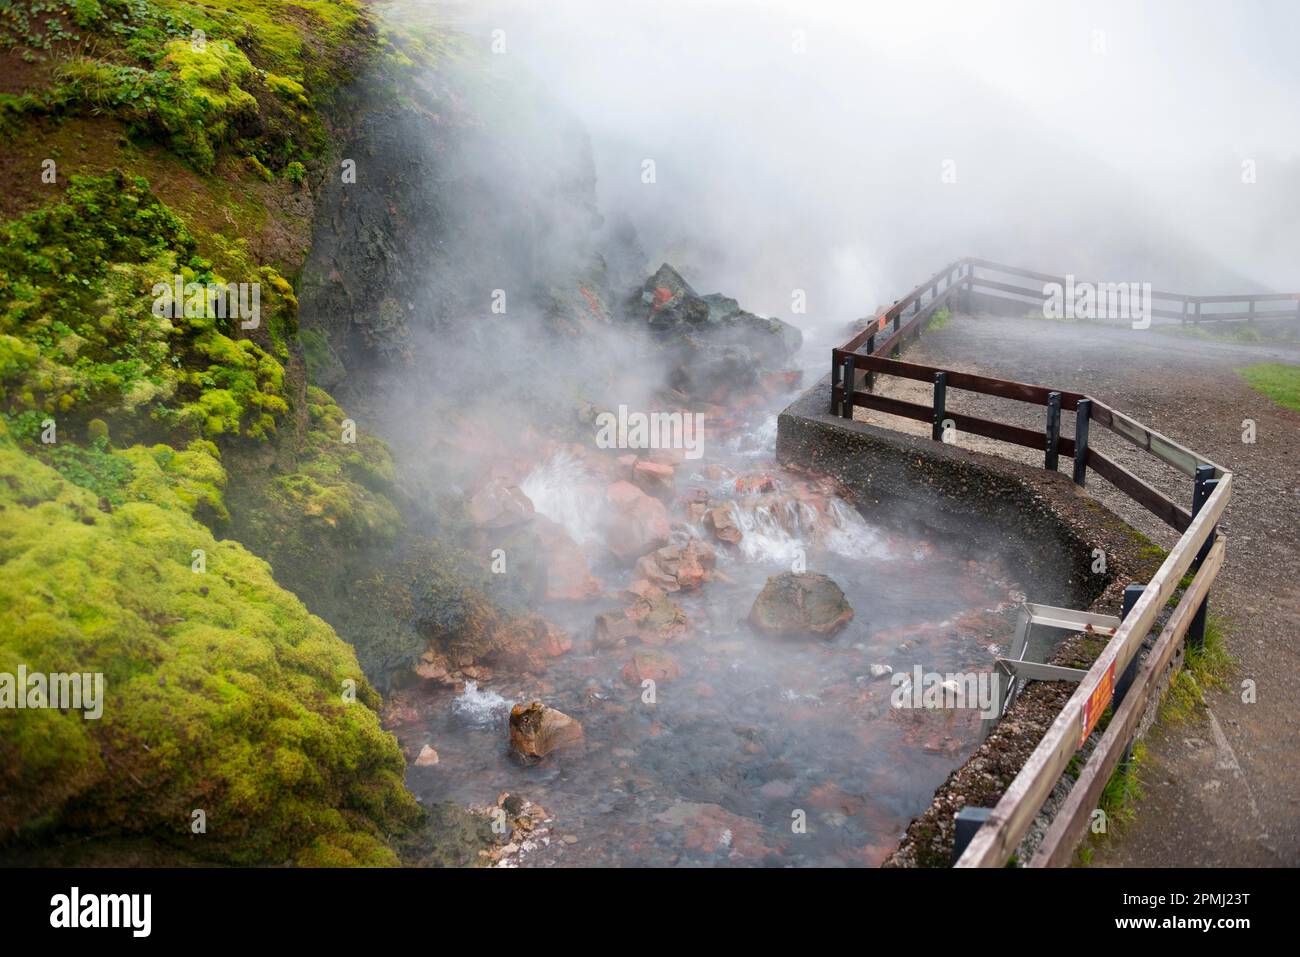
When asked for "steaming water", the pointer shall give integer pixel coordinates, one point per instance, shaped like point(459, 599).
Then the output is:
point(479, 708)
point(757, 733)
point(562, 489)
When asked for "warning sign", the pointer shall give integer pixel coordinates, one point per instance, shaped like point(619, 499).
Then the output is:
point(1097, 701)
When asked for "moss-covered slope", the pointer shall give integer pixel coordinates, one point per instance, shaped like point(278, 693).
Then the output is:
point(145, 143)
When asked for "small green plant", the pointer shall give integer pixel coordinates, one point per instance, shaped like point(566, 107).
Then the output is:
point(295, 173)
point(941, 318)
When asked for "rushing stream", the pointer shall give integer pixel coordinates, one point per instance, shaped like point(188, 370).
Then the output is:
point(757, 733)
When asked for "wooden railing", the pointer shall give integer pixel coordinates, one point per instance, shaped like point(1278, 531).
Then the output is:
point(1243, 307)
point(1115, 677)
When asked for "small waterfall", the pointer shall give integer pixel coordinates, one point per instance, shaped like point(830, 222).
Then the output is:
point(479, 708)
point(562, 489)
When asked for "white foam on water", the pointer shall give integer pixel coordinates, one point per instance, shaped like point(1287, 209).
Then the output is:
point(562, 489)
point(780, 531)
point(760, 440)
point(851, 536)
point(480, 708)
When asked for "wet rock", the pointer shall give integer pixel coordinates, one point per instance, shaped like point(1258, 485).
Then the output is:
point(652, 618)
point(567, 575)
point(800, 604)
point(527, 642)
point(613, 628)
point(880, 671)
point(652, 664)
point(537, 730)
point(655, 478)
point(432, 666)
point(499, 505)
point(678, 567)
point(635, 523)
point(657, 617)
point(427, 757)
point(715, 346)
point(722, 522)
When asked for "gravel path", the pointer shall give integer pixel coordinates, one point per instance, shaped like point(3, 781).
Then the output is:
point(1220, 788)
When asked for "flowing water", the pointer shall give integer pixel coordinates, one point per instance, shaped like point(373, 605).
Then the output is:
point(764, 751)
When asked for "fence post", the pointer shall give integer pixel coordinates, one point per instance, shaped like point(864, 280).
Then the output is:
point(1131, 594)
point(968, 821)
point(871, 374)
point(846, 404)
point(940, 400)
point(1082, 415)
point(1053, 430)
point(835, 378)
point(1204, 484)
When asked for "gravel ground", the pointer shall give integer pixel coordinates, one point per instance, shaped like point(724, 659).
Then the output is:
point(1221, 787)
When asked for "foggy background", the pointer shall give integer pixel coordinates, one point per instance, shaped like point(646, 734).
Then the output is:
point(1105, 140)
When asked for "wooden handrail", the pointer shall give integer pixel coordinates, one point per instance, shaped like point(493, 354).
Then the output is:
point(997, 839)
point(995, 842)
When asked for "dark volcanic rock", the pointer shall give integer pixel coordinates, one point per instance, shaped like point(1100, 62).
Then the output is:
point(713, 342)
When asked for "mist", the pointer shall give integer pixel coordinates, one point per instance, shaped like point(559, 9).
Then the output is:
point(849, 150)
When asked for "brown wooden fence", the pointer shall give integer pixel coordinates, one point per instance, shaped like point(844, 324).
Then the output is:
point(871, 353)
point(1009, 283)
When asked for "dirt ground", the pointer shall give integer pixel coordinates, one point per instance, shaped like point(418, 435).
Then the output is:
point(1222, 787)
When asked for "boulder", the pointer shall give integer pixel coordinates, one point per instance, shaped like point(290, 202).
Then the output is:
point(714, 346)
point(427, 757)
point(651, 664)
point(658, 618)
point(432, 666)
point(564, 568)
point(652, 618)
point(655, 478)
point(721, 520)
point(613, 628)
point(499, 505)
point(635, 523)
point(537, 730)
point(527, 642)
point(678, 567)
point(800, 605)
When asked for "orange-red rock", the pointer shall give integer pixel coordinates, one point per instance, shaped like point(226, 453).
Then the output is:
point(652, 664)
point(536, 730)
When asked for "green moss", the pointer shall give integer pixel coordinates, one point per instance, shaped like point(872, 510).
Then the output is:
point(940, 319)
point(85, 290)
point(221, 691)
point(199, 76)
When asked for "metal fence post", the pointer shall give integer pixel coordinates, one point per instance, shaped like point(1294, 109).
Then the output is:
point(1204, 484)
point(968, 821)
point(940, 401)
point(1131, 595)
point(846, 404)
point(1082, 415)
point(1053, 430)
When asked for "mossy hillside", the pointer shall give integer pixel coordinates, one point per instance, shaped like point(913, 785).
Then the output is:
point(221, 691)
point(253, 75)
point(82, 332)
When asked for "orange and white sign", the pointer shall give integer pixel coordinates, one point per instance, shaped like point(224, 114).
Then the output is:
point(1097, 701)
